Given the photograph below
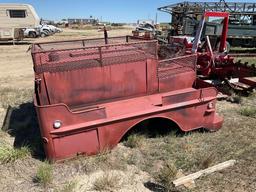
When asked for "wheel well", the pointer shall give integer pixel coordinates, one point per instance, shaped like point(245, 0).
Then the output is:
point(153, 127)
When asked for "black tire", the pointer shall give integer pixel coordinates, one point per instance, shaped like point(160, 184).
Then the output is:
point(32, 34)
point(43, 35)
point(47, 31)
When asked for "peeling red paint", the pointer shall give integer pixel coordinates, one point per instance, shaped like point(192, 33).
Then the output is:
point(98, 92)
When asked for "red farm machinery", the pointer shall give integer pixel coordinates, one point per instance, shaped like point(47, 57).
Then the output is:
point(214, 64)
point(185, 16)
point(89, 93)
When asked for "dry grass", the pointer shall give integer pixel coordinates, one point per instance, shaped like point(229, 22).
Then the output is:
point(199, 149)
point(77, 33)
point(92, 33)
point(107, 160)
point(190, 152)
point(91, 27)
point(134, 141)
point(14, 97)
point(68, 187)
point(44, 175)
point(248, 111)
point(194, 151)
point(9, 154)
point(249, 60)
point(107, 182)
point(166, 175)
point(21, 122)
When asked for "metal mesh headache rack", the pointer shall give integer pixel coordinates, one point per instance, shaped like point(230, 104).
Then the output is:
point(68, 55)
point(171, 67)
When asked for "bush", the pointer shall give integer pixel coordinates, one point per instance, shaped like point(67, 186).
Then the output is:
point(44, 174)
point(248, 111)
point(106, 182)
point(9, 154)
point(166, 175)
point(134, 141)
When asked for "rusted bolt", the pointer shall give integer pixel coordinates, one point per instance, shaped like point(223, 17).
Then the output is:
point(45, 140)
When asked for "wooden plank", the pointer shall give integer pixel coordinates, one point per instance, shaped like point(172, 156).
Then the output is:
point(193, 176)
point(190, 184)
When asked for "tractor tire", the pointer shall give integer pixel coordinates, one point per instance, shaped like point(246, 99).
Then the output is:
point(227, 47)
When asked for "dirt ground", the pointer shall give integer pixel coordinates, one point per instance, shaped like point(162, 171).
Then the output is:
point(138, 167)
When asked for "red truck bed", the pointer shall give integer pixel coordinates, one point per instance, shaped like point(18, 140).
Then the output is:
point(88, 94)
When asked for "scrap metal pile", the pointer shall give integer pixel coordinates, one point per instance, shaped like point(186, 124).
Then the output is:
point(214, 64)
point(185, 17)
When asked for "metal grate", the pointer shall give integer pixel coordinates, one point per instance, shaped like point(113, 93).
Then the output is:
point(77, 54)
point(200, 7)
point(170, 67)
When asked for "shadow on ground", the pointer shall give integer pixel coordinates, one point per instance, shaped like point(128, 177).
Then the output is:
point(159, 127)
point(21, 122)
point(27, 42)
point(154, 127)
point(154, 187)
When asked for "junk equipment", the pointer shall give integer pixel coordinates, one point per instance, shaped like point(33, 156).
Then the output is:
point(214, 65)
point(89, 94)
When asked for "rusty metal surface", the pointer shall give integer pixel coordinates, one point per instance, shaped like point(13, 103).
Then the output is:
point(88, 96)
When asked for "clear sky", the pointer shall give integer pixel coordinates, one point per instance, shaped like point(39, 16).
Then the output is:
point(108, 10)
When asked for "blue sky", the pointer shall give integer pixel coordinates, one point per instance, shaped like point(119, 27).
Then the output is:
point(109, 10)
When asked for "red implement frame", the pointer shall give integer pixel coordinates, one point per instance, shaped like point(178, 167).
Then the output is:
point(88, 95)
point(221, 65)
point(223, 39)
